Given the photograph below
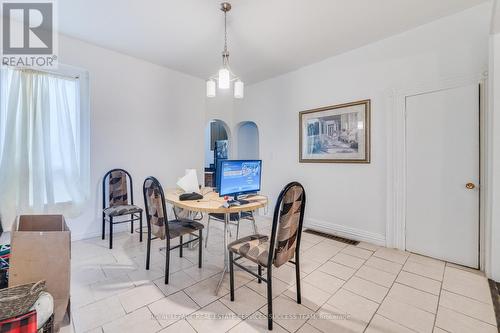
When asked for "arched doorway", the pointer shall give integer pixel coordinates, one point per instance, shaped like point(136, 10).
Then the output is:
point(217, 146)
point(248, 140)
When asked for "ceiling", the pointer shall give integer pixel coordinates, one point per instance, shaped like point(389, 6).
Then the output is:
point(266, 38)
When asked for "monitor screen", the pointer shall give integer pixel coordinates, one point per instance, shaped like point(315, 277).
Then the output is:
point(240, 177)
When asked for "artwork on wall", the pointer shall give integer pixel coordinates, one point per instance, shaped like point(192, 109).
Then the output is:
point(221, 149)
point(335, 134)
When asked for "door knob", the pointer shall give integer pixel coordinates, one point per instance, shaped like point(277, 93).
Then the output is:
point(470, 186)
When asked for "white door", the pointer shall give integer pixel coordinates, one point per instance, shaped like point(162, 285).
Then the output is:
point(442, 180)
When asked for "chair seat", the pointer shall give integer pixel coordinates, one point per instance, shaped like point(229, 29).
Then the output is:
point(246, 215)
point(178, 228)
point(122, 210)
point(220, 216)
point(253, 247)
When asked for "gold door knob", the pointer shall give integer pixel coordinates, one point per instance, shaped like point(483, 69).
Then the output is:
point(470, 186)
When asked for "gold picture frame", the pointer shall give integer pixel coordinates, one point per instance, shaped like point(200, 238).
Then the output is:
point(336, 134)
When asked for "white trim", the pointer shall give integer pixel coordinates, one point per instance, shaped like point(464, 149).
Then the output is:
point(343, 231)
point(396, 153)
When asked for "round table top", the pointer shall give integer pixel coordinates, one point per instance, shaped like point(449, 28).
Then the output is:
point(212, 203)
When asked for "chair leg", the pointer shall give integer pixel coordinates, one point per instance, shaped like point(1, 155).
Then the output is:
point(140, 226)
point(111, 232)
point(269, 299)
point(167, 263)
point(132, 223)
point(103, 224)
point(200, 247)
point(180, 246)
point(148, 249)
point(231, 275)
point(208, 230)
point(259, 271)
point(297, 277)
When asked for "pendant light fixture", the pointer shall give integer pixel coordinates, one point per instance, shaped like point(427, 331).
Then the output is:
point(225, 76)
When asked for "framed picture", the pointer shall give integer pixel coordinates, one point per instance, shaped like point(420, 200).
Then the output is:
point(335, 134)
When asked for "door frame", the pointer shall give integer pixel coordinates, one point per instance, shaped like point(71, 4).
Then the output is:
point(396, 158)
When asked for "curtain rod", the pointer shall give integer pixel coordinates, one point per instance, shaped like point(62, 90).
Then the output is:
point(76, 77)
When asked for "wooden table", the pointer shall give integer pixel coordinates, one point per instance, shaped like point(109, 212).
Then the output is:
point(212, 203)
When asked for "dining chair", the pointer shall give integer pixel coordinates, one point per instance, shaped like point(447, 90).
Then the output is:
point(281, 247)
point(116, 184)
point(234, 219)
point(161, 227)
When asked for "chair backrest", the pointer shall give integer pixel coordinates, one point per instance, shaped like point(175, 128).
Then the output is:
point(287, 224)
point(154, 202)
point(117, 181)
point(181, 213)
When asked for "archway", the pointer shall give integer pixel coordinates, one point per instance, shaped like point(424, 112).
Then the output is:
point(217, 146)
point(248, 140)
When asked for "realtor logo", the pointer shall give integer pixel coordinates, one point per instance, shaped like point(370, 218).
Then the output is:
point(28, 34)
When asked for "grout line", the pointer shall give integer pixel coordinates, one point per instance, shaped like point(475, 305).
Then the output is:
point(467, 297)
point(382, 301)
point(439, 297)
point(421, 275)
point(466, 315)
point(343, 284)
point(378, 314)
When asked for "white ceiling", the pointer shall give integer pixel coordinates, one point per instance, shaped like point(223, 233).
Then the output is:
point(266, 38)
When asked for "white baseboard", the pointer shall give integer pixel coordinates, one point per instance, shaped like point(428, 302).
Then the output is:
point(346, 232)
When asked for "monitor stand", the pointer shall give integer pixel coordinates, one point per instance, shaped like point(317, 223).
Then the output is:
point(239, 200)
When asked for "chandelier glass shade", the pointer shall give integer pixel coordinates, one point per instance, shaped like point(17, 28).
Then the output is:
point(225, 76)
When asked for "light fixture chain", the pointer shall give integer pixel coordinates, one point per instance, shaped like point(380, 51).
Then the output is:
point(225, 32)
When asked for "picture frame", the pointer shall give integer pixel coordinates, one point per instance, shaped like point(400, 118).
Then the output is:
point(336, 134)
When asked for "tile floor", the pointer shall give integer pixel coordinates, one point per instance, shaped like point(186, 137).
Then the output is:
point(364, 288)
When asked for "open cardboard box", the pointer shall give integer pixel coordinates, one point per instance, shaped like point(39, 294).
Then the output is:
point(41, 250)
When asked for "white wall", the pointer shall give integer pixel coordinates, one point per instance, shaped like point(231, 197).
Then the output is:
point(145, 118)
point(209, 154)
point(494, 172)
point(348, 197)
point(248, 141)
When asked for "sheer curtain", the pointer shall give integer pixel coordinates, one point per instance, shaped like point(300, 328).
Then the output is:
point(42, 169)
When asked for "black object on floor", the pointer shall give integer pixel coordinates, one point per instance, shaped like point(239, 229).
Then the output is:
point(337, 238)
point(495, 296)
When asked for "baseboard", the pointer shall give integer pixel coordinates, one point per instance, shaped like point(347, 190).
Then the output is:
point(346, 232)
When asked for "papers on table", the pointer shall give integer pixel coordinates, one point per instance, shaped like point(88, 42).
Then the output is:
point(189, 183)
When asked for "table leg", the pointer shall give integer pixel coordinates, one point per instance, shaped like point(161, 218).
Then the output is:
point(226, 254)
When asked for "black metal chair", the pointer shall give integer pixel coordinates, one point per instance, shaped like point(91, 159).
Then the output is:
point(280, 248)
point(234, 219)
point(158, 224)
point(119, 181)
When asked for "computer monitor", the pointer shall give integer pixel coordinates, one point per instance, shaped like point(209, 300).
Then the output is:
point(239, 177)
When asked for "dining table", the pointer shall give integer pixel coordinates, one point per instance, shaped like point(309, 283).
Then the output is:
point(213, 203)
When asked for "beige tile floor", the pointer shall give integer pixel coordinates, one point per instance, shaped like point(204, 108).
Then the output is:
point(362, 288)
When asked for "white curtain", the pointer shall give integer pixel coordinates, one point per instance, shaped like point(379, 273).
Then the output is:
point(42, 169)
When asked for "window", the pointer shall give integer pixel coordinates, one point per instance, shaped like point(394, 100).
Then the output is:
point(44, 141)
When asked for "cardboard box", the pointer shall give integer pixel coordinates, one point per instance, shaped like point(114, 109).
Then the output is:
point(41, 250)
